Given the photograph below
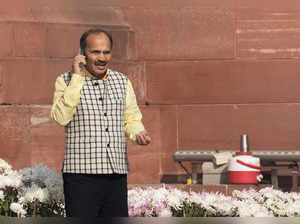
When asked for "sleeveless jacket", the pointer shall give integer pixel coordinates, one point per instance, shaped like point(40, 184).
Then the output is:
point(95, 138)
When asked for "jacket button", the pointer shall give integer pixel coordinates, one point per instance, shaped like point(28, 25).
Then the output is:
point(108, 145)
point(106, 129)
point(101, 98)
point(105, 114)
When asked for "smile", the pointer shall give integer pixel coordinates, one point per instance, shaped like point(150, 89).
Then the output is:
point(100, 63)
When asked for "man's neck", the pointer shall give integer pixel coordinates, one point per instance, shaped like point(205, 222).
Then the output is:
point(99, 77)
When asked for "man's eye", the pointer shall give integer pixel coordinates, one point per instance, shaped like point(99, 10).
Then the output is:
point(99, 52)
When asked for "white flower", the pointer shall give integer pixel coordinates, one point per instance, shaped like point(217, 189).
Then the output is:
point(42, 176)
point(196, 198)
point(293, 209)
point(1, 195)
point(21, 200)
point(10, 180)
point(18, 208)
point(251, 209)
point(225, 207)
point(176, 198)
point(165, 213)
point(247, 203)
point(35, 193)
point(174, 201)
point(4, 167)
point(159, 195)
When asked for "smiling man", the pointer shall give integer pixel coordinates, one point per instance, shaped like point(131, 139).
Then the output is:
point(98, 108)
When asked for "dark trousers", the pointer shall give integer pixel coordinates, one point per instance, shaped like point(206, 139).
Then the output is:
point(95, 195)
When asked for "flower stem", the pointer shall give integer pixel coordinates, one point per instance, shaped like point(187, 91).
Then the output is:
point(34, 207)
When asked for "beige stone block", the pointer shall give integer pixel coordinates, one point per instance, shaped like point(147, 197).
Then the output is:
point(210, 167)
point(221, 158)
point(213, 174)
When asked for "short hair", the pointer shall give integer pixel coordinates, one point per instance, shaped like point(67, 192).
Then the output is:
point(85, 35)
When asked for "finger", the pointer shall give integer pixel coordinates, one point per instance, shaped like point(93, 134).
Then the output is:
point(80, 59)
point(140, 139)
point(148, 139)
point(78, 63)
point(143, 139)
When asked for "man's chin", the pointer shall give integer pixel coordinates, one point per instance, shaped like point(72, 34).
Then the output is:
point(99, 73)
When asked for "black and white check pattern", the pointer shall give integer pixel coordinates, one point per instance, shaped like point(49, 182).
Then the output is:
point(95, 138)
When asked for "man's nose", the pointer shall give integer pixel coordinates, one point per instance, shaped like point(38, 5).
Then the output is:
point(101, 57)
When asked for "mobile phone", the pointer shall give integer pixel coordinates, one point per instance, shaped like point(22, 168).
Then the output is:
point(81, 51)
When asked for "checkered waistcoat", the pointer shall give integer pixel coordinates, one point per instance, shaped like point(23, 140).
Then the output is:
point(95, 138)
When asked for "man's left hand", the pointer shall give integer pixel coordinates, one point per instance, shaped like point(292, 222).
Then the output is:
point(142, 138)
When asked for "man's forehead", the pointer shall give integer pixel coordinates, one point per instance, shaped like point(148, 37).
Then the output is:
point(95, 37)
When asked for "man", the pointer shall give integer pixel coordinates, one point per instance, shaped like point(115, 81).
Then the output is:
point(98, 107)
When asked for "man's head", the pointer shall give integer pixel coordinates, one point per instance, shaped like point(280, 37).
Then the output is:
point(96, 45)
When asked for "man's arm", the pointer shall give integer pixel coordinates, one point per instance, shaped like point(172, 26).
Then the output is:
point(66, 98)
point(134, 127)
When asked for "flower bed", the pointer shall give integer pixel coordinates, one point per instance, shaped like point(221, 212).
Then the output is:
point(266, 202)
point(37, 191)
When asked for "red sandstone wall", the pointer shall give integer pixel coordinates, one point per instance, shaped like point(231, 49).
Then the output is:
point(210, 70)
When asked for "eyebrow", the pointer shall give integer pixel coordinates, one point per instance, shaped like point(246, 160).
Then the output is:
point(105, 51)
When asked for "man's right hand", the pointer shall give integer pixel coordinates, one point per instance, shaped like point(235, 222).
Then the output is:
point(142, 138)
point(78, 62)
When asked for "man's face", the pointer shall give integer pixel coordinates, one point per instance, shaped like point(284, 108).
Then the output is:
point(98, 54)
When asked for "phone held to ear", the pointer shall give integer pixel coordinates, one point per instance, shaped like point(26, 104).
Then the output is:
point(81, 52)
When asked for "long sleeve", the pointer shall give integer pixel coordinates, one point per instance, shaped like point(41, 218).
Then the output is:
point(132, 115)
point(66, 98)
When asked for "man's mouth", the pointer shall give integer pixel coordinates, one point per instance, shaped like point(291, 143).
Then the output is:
point(100, 63)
